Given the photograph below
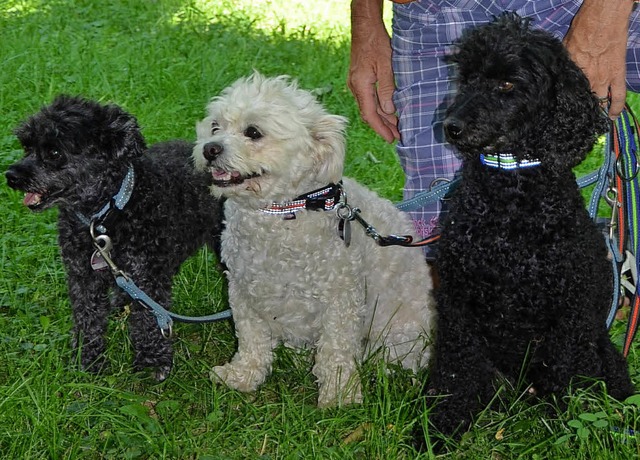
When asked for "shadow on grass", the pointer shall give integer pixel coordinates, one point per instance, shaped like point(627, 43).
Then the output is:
point(163, 61)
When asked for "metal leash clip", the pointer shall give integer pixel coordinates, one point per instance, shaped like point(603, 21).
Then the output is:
point(388, 240)
point(611, 198)
point(101, 257)
point(345, 216)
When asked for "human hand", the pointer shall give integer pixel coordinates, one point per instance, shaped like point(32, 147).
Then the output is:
point(370, 74)
point(597, 42)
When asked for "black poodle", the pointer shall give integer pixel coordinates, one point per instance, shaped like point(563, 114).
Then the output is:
point(525, 280)
point(92, 162)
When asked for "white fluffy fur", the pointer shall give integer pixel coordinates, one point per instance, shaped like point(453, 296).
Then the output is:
point(295, 281)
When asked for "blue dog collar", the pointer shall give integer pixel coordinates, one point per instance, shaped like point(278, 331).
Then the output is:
point(118, 202)
point(507, 161)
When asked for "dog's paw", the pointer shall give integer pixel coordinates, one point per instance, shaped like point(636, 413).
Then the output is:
point(240, 378)
point(159, 366)
point(161, 373)
point(331, 396)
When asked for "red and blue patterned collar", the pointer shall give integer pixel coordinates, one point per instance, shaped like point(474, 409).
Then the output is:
point(322, 199)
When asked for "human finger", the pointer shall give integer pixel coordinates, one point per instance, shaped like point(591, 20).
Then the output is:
point(618, 95)
point(366, 99)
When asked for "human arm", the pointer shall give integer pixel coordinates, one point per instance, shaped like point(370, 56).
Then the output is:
point(597, 42)
point(370, 74)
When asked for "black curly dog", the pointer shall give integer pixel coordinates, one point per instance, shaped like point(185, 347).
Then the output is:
point(525, 280)
point(77, 155)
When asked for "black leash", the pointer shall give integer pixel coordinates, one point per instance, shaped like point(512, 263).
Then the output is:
point(346, 213)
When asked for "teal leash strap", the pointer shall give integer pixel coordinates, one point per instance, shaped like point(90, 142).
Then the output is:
point(435, 193)
point(604, 178)
point(164, 318)
point(442, 190)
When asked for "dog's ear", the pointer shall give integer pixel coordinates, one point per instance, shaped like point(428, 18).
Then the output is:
point(581, 119)
point(329, 147)
point(122, 133)
point(574, 120)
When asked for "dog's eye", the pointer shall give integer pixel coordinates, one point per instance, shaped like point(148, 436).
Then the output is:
point(505, 86)
point(252, 133)
point(55, 154)
point(215, 127)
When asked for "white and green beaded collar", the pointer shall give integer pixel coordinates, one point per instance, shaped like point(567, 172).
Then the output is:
point(507, 161)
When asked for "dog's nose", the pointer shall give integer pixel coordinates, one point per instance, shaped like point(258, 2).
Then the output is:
point(14, 178)
point(453, 127)
point(212, 150)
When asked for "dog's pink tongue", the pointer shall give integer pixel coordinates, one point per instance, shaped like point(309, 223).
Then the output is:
point(31, 199)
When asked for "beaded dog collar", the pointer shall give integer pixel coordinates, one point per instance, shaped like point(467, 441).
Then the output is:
point(507, 161)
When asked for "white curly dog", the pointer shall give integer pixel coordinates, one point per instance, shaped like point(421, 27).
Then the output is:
point(292, 278)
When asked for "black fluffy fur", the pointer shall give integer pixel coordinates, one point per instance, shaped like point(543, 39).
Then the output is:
point(77, 152)
point(525, 280)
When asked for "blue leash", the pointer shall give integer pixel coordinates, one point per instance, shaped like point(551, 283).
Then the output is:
point(604, 177)
point(441, 190)
point(164, 317)
point(437, 192)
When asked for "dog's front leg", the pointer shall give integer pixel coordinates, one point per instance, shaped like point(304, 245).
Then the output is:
point(339, 346)
point(461, 376)
point(90, 306)
point(151, 348)
point(251, 364)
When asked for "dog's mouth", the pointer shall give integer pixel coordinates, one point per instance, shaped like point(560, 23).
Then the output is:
point(222, 178)
point(32, 200)
point(37, 201)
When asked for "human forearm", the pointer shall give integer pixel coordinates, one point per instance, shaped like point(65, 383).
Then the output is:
point(366, 11)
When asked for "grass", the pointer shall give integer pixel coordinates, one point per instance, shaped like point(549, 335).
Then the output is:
point(163, 60)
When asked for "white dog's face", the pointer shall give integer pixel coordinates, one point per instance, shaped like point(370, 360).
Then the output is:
point(264, 139)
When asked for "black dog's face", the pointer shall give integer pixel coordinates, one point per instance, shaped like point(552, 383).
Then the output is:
point(520, 93)
point(70, 147)
point(46, 173)
point(493, 98)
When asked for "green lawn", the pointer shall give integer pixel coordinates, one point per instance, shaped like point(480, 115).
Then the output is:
point(163, 60)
